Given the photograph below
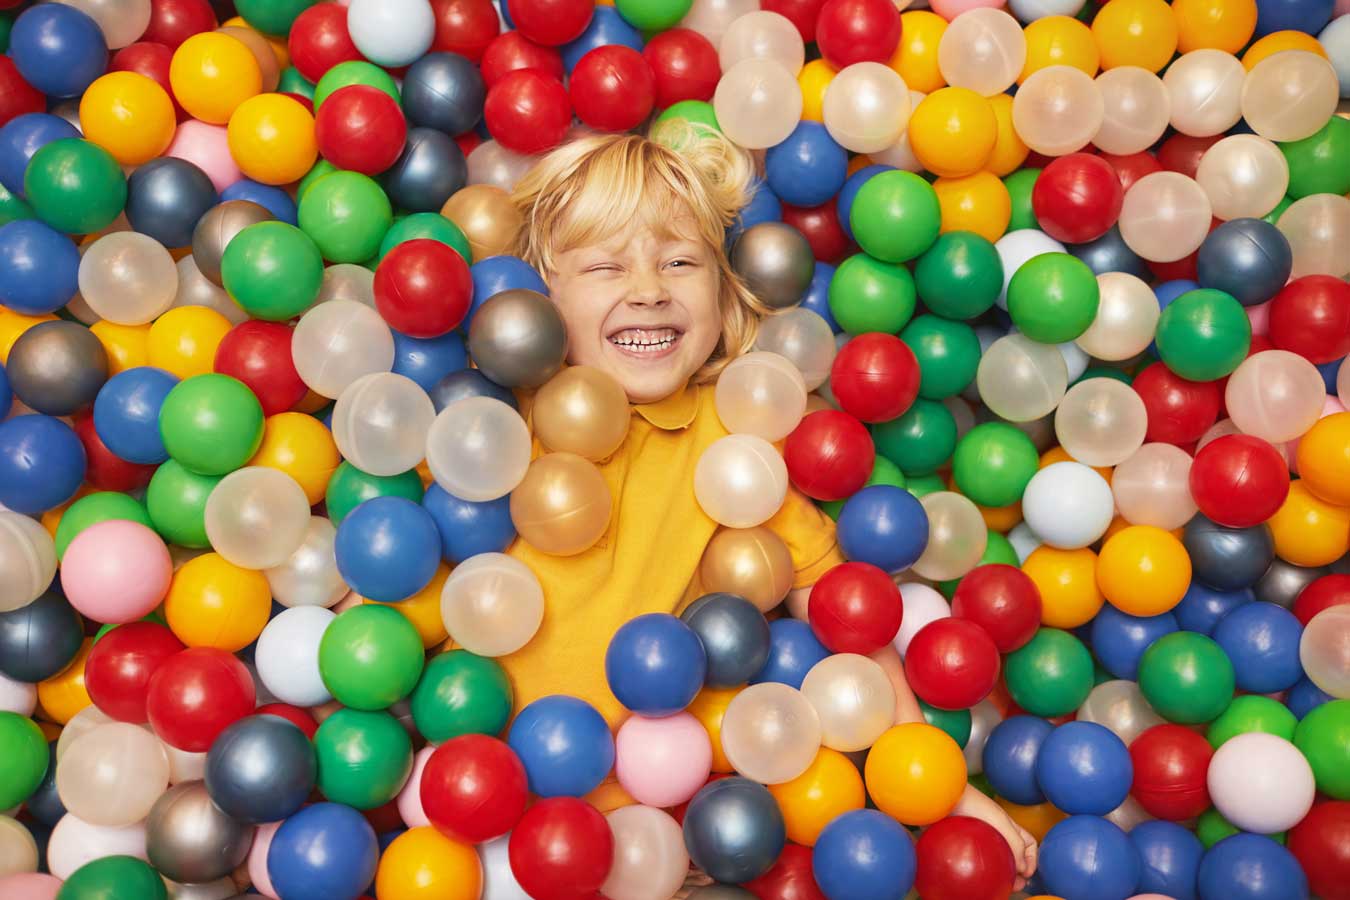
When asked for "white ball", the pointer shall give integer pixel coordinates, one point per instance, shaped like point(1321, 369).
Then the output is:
point(921, 604)
point(1068, 505)
point(1335, 40)
point(75, 842)
point(499, 882)
point(287, 655)
point(1024, 541)
point(17, 696)
point(27, 560)
point(1261, 783)
point(337, 342)
point(1028, 11)
point(1016, 248)
point(380, 423)
point(391, 32)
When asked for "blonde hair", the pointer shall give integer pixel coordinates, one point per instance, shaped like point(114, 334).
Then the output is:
point(589, 188)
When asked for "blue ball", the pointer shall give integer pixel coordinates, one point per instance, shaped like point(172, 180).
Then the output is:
point(427, 360)
point(764, 206)
point(273, 199)
point(42, 463)
point(734, 830)
point(564, 744)
point(6, 393)
point(606, 27)
point(468, 528)
point(39, 267)
point(326, 851)
point(1201, 608)
point(808, 167)
point(21, 137)
point(1308, 16)
point(500, 273)
point(1118, 640)
point(1329, 371)
point(734, 636)
point(387, 549)
point(864, 855)
point(58, 49)
point(1166, 293)
point(1262, 641)
point(793, 650)
point(1084, 769)
point(1251, 867)
point(465, 383)
point(1249, 259)
point(1010, 756)
point(817, 296)
point(849, 192)
point(1171, 859)
point(126, 414)
point(1304, 697)
point(655, 664)
point(1089, 858)
point(883, 525)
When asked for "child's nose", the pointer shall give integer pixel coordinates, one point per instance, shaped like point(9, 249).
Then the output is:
point(647, 289)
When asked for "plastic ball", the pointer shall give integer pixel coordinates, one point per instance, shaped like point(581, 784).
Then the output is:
point(57, 368)
point(1021, 380)
point(565, 746)
point(1275, 395)
point(1077, 198)
point(1261, 783)
point(114, 874)
point(865, 107)
point(97, 571)
point(662, 761)
point(952, 663)
point(128, 278)
point(1089, 856)
point(492, 604)
point(212, 74)
point(259, 354)
point(982, 49)
point(1322, 652)
point(1205, 87)
point(59, 50)
point(1289, 96)
point(793, 651)
point(1067, 505)
point(421, 860)
point(855, 608)
point(863, 854)
point(460, 693)
point(196, 694)
point(391, 34)
point(771, 733)
point(324, 850)
point(249, 793)
point(256, 517)
point(214, 603)
point(1313, 225)
point(915, 773)
point(527, 111)
point(365, 757)
point(953, 131)
point(1303, 318)
point(993, 464)
point(734, 636)
point(1239, 481)
point(380, 423)
point(1083, 768)
point(1318, 845)
point(1152, 487)
point(1051, 674)
point(1203, 334)
point(473, 788)
point(129, 115)
point(1058, 110)
point(1136, 110)
point(854, 699)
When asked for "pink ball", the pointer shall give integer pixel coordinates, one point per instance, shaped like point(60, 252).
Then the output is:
point(257, 859)
point(29, 886)
point(116, 571)
point(950, 9)
point(662, 762)
point(207, 147)
point(1259, 316)
point(409, 799)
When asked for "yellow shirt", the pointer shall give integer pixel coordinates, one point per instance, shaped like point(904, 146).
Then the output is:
point(647, 561)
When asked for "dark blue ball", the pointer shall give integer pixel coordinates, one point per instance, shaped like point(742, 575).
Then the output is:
point(817, 296)
point(42, 463)
point(1171, 859)
point(387, 549)
point(734, 635)
point(273, 199)
point(883, 525)
point(734, 830)
point(1251, 867)
point(1262, 641)
point(326, 851)
point(468, 383)
point(655, 664)
point(764, 206)
point(39, 267)
point(1089, 858)
point(261, 769)
point(1247, 258)
point(564, 744)
point(44, 804)
point(793, 650)
point(58, 49)
point(1084, 768)
point(1010, 755)
point(468, 528)
point(166, 197)
point(1202, 607)
point(427, 360)
point(1308, 16)
point(1110, 253)
point(864, 855)
point(1118, 640)
point(126, 414)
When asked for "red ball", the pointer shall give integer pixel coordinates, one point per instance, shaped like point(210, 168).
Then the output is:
point(875, 377)
point(952, 663)
point(319, 40)
point(297, 716)
point(552, 22)
point(561, 849)
point(961, 858)
point(1181, 152)
point(423, 288)
point(1077, 198)
point(528, 111)
point(259, 355)
point(829, 455)
point(790, 878)
point(195, 695)
point(853, 31)
point(17, 96)
point(152, 61)
point(361, 129)
point(855, 608)
point(117, 672)
point(801, 13)
point(1183, 269)
point(1001, 599)
point(1239, 480)
point(474, 788)
point(684, 66)
point(1131, 168)
point(1321, 844)
point(1179, 411)
point(104, 469)
point(1324, 592)
point(612, 88)
point(512, 51)
point(821, 227)
point(1310, 316)
point(1170, 767)
point(174, 21)
point(465, 27)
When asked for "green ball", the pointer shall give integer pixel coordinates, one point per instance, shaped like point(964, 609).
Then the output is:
point(355, 71)
point(1320, 164)
point(176, 501)
point(1186, 677)
point(997, 549)
point(102, 506)
point(370, 657)
point(955, 722)
point(292, 82)
point(113, 878)
point(428, 225)
point(1273, 217)
point(1020, 185)
point(923, 485)
point(24, 750)
point(1251, 712)
point(920, 441)
point(960, 276)
point(75, 186)
point(895, 216)
point(6, 26)
point(272, 16)
point(1050, 675)
point(867, 294)
point(346, 215)
point(461, 693)
point(883, 472)
point(1212, 827)
point(1324, 738)
point(212, 424)
point(274, 270)
point(320, 169)
point(699, 112)
point(13, 208)
point(364, 757)
point(350, 487)
point(1052, 298)
point(1106, 372)
point(948, 353)
point(993, 463)
point(1204, 334)
point(652, 15)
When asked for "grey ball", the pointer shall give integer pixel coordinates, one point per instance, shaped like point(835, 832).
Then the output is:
point(1227, 559)
point(190, 840)
point(39, 640)
point(518, 339)
point(466, 383)
point(720, 892)
point(735, 635)
point(444, 91)
point(218, 227)
point(431, 168)
point(166, 198)
point(261, 769)
point(775, 262)
point(1110, 253)
point(734, 830)
point(1283, 582)
point(57, 367)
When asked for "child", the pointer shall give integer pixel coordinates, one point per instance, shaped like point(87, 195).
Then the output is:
point(629, 235)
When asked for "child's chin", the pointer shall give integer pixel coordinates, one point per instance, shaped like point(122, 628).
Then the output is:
point(647, 382)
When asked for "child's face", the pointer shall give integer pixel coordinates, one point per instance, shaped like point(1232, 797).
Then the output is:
point(642, 307)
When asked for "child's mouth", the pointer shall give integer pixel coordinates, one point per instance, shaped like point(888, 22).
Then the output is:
point(647, 343)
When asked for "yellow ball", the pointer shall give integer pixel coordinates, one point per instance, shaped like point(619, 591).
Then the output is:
point(1309, 531)
point(1009, 151)
point(710, 707)
point(952, 132)
point(916, 57)
point(64, 694)
point(1038, 819)
point(915, 773)
point(1060, 41)
point(1324, 459)
point(183, 341)
point(211, 74)
point(423, 609)
point(214, 603)
point(1225, 25)
point(271, 138)
point(978, 203)
point(813, 79)
point(1278, 42)
point(12, 327)
point(299, 445)
point(1135, 33)
point(1067, 580)
point(1143, 570)
point(423, 864)
point(128, 115)
point(127, 346)
point(830, 787)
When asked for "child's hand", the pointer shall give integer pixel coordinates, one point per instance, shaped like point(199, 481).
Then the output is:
point(1023, 845)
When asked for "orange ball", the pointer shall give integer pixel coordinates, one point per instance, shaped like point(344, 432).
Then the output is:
point(64, 694)
point(423, 864)
point(211, 74)
point(271, 138)
point(127, 346)
point(129, 115)
point(915, 773)
point(1278, 42)
point(1060, 41)
point(1225, 25)
point(952, 132)
point(830, 787)
point(183, 341)
point(423, 609)
point(978, 203)
point(1067, 580)
point(1309, 531)
point(1009, 151)
point(813, 79)
point(12, 327)
point(1143, 570)
point(1135, 33)
point(214, 603)
point(1038, 819)
point(916, 57)
point(299, 445)
point(1324, 459)
point(710, 707)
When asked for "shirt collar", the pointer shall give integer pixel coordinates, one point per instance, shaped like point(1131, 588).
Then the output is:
point(672, 413)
